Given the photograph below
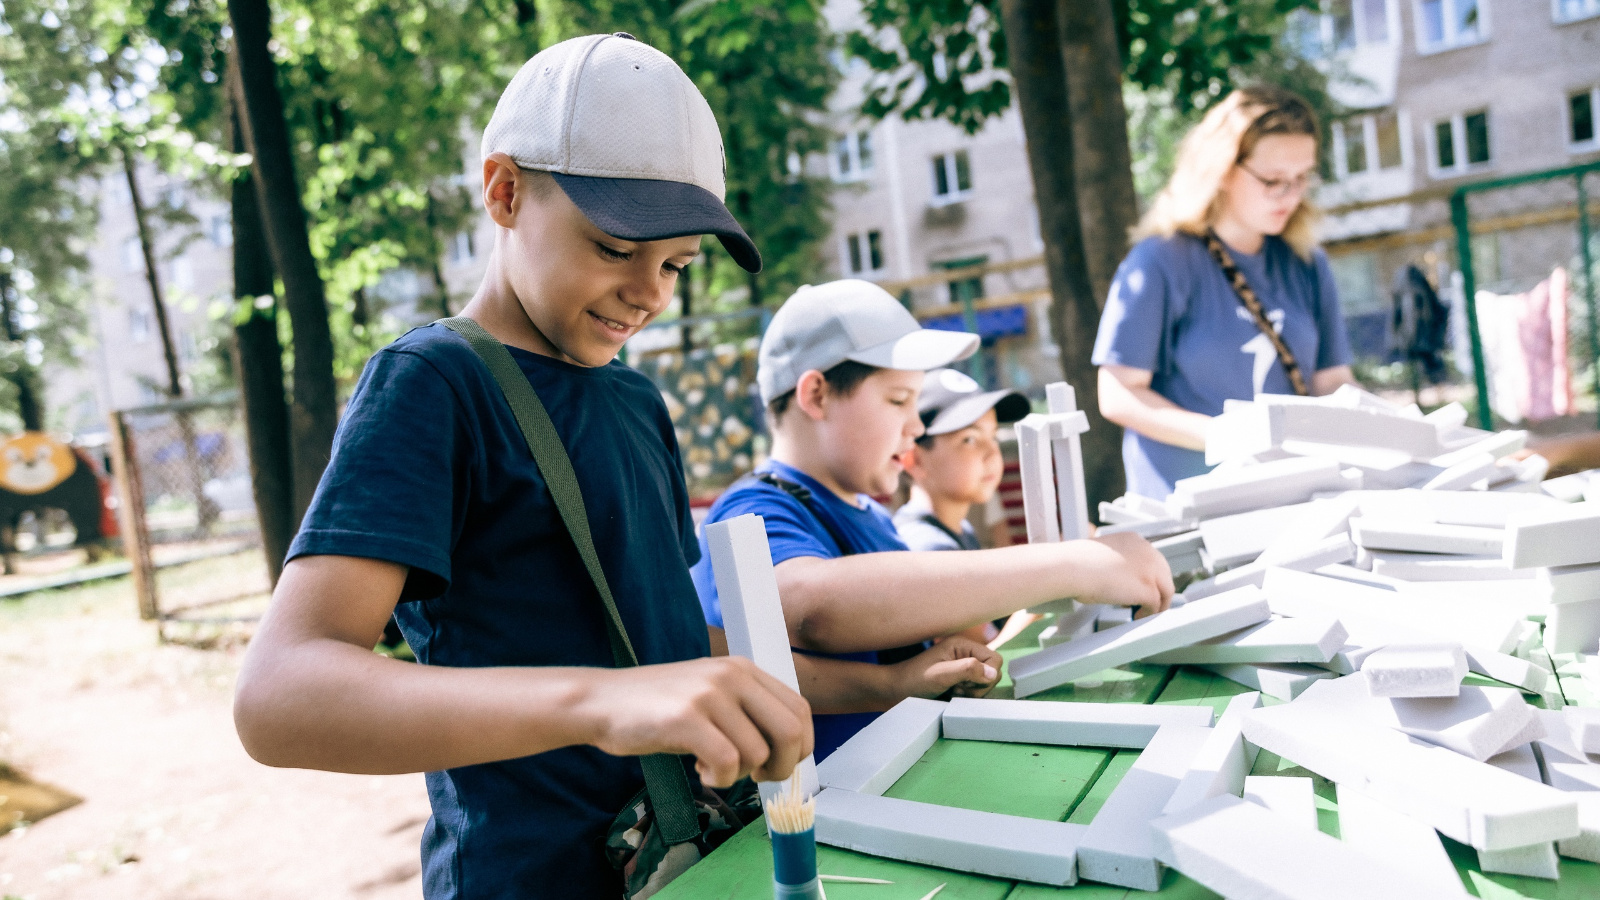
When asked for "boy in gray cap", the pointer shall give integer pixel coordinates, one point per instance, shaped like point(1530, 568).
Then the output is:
point(840, 369)
point(602, 168)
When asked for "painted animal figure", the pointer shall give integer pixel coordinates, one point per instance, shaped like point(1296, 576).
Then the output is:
point(38, 473)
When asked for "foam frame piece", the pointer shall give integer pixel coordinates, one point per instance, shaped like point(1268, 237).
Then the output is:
point(875, 757)
point(1123, 725)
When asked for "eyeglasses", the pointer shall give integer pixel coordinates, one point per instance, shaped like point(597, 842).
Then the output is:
point(1278, 188)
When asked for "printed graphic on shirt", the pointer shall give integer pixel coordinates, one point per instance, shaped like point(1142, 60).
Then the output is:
point(1261, 347)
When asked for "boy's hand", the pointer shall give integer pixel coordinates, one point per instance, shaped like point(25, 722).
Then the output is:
point(1125, 570)
point(959, 665)
point(734, 718)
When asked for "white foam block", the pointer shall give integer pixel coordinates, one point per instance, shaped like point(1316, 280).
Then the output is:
point(1137, 640)
point(1586, 845)
point(875, 757)
point(1558, 536)
point(1509, 669)
point(1502, 443)
point(1434, 567)
point(1570, 584)
point(1479, 723)
point(1415, 670)
point(1531, 730)
point(1223, 761)
point(1450, 415)
point(1241, 850)
point(1511, 598)
point(1533, 861)
point(1360, 427)
point(1568, 488)
point(1469, 801)
point(1377, 830)
point(950, 837)
point(1565, 766)
point(1067, 451)
point(1069, 625)
point(1291, 797)
point(1306, 558)
point(741, 562)
point(1125, 725)
point(1240, 538)
point(1277, 483)
point(1519, 760)
point(1272, 641)
point(1321, 519)
point(1583, 723)
point(1280, 681)
point(1573, 627)
point(1424, 537)
point(1119, 848)
point(1463, 475)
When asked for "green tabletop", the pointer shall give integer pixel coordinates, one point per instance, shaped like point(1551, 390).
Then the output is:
point(1058, 784)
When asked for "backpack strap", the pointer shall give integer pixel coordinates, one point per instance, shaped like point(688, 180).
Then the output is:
point(664, 776)
point(1252, 303)
point(802, 494)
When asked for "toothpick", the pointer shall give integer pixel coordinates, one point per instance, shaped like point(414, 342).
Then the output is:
point(933, 893)
point(853, 879)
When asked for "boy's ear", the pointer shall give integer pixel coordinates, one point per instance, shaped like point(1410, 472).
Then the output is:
point(502, 189)
point(811, 394)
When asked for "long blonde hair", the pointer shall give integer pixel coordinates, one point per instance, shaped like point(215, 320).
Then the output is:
point(1224, 138)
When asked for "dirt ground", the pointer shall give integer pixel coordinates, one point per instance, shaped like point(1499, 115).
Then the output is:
point(172, 807)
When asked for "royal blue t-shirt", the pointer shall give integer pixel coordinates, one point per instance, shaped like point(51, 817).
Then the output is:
point(792, 530)
point(430, 470)
point(1173, 313)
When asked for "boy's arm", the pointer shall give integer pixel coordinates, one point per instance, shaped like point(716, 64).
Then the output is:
point(875, 600)
point(312, 694)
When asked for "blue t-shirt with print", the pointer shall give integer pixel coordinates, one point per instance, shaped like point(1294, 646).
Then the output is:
point(430, 471)
point(1173, 313)
point(792, 531)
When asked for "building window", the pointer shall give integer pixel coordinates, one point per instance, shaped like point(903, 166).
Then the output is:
point(1444, 24)
point(132, 255)
point(1460, 143)
point(1573, 10)
point(865, 252)
point(952, 177)
point(852, 156)
point(1343, 25)
point(139, 324)
point(964, 290)
point(1367, 143)
point(219, 229)
point(1580, 118)
point(461, 249)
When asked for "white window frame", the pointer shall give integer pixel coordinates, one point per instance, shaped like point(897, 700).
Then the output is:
point(1458, 138)
point(858, 171)
point(1593, 143)
point(1557, 18)
point(1358, 22)
point(1452, 39)
point(1369, 137)
point(864, 245)
point(947, 161)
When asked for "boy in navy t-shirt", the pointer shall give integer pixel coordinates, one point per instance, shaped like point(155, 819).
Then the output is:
point(839, 369)
point(602, 169)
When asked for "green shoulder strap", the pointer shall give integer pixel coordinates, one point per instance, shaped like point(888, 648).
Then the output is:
point(664, 777)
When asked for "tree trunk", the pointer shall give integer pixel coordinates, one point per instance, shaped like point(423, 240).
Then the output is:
point(1039, 73)
point(313, 411)
point(151, 275)
point(1093, 60)
point(27, 396)
point(258, 368)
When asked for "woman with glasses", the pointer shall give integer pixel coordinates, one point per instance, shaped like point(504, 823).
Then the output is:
point(1225, 294)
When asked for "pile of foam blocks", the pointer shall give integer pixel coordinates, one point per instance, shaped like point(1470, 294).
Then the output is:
point(1391, 585)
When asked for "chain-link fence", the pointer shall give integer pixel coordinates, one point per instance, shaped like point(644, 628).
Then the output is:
point(188, 515)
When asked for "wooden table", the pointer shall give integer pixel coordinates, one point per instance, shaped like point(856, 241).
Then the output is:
point(1059, 783)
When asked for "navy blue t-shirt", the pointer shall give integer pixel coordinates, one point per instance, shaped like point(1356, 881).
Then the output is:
point(429, 470)
point(792, 530)
point(1173, 313)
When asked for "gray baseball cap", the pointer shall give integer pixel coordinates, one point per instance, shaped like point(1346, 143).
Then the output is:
point(951, 400)
point(626, 135)
point(820, 326)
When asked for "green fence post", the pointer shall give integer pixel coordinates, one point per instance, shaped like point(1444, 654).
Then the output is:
point(1469, 289)
point(1588, 284)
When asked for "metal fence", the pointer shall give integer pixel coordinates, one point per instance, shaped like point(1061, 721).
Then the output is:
point(187, 512)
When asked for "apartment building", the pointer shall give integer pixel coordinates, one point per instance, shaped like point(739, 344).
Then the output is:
point(1448, 93)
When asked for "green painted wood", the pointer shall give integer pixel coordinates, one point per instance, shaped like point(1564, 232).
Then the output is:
point(1032, 780)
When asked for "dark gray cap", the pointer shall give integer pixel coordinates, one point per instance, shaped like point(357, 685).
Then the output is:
point(951, 400)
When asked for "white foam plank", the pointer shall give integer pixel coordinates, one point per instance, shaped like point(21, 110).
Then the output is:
point(1239, 538)
point(1415, 670)
point(950, 837)
point(1309, 558)
point(1067, 450)
point(1434, 567)
point(1495, 446)
point(1533, 861)
point(1469, 801)
point(1223, 762)
point(1070, 625)
point(1478, 724)
point(1514, 598)
point(1241, 850)
point(1377, 830)
point(1424, 537)
point(1289, 796)
point(1124, 725)
point(1565, 766)
point(741, 562)
point(875, 757)
point(1276, 483)
point(1570, 584)
point(1560, 536)
point(1464, 474)
point(1531, 730)
point(1299, 422)
point(1586, 845)
point(1137, 640)
point(1450, 415)
point(1322, 519)
point(1274, 641)
point(1568, 488)
point(1583, 724)
point(1573, 628)
point(1280, 681)
point(1513, 671)
point(1520, 760)
point(1119, 846)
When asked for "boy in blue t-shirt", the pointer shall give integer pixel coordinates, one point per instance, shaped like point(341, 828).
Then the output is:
point(602, 169)
point(839, 369)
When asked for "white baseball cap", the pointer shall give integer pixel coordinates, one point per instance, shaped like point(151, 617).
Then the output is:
point(628, 137)
point(952, 400)
point(822, 326)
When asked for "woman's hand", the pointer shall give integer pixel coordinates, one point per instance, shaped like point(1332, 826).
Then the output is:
point(956, 665)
